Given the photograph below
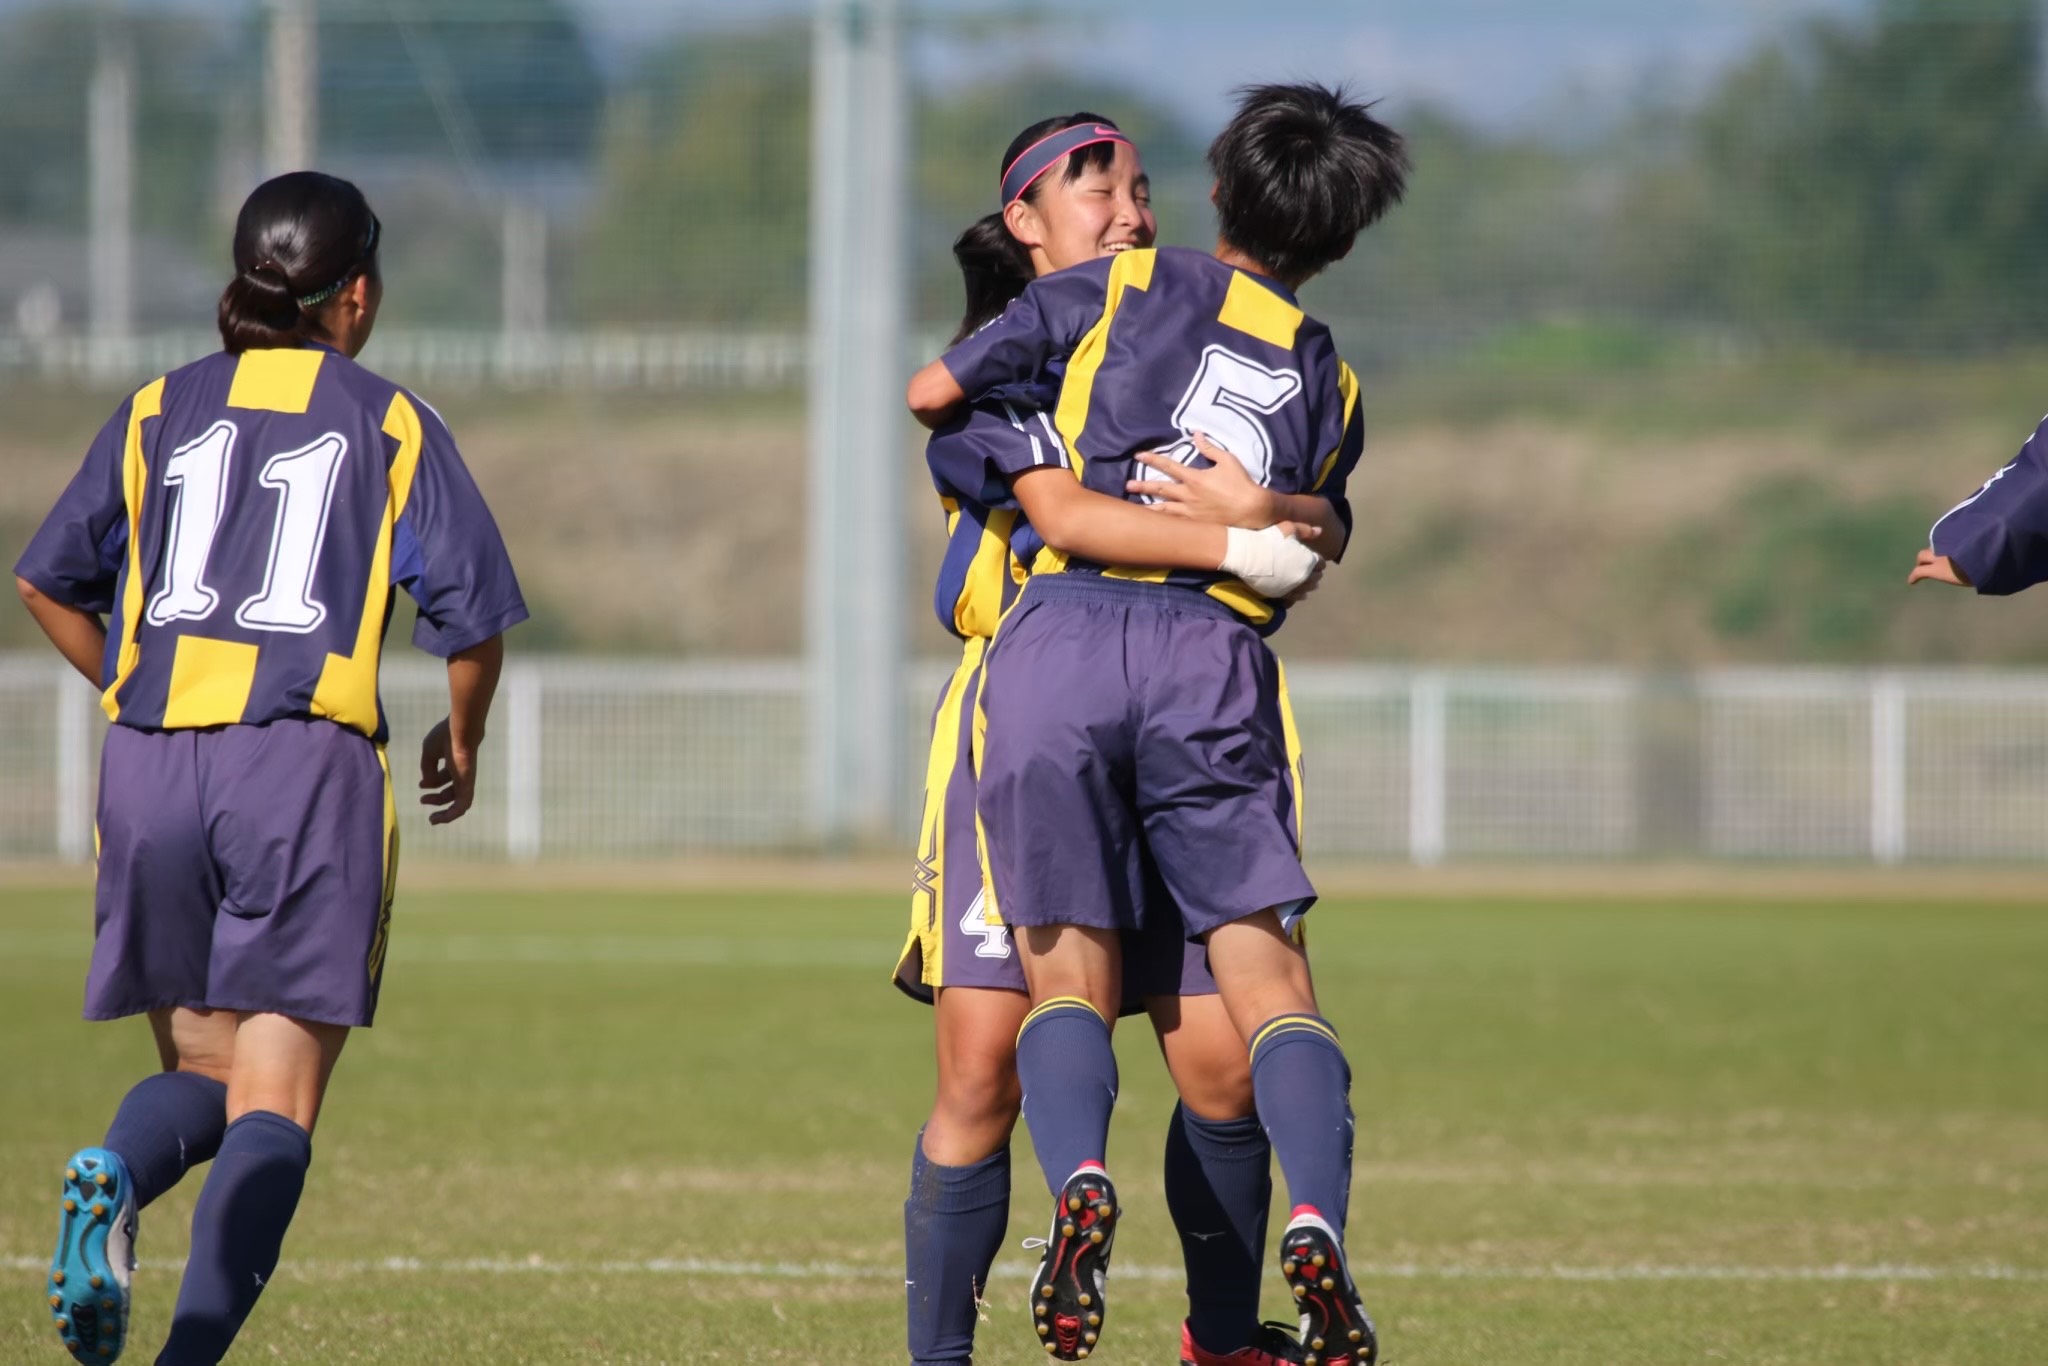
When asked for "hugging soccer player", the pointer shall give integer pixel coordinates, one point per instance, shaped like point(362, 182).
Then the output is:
point(1073, 189)
point(1158, 680)
point(222, 567)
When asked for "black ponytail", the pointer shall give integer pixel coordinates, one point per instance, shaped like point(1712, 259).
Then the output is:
point(994, 266)
point(299, 239)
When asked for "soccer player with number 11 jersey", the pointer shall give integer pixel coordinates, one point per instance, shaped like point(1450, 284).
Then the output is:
point(222, 568)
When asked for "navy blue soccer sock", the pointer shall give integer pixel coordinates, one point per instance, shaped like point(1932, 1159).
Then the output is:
point(1219, 1185)
point(168, 1124)
point(953, 1226)
point(237, 1232)
point(1068, 1068)
point(1303, 1086)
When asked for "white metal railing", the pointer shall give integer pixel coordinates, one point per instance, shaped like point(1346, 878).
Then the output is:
point(659, 360)
point(596, 758)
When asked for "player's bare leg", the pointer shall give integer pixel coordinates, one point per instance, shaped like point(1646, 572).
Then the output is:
point(978, 1098)
point(275, 1088)
point(1068, 1071)
point(167, 1124)
point(1303, 1083)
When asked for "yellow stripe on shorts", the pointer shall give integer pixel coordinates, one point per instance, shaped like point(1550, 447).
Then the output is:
point(381, 942)
point(1293, 738)
point(928, 896)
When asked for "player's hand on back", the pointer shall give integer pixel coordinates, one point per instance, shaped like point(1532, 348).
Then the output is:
point(447, 775)
point(1224, 493)
point(1309, 584)
point(1304, 533)
point(1939, 568)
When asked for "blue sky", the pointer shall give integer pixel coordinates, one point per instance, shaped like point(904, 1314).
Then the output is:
point(1495, 61)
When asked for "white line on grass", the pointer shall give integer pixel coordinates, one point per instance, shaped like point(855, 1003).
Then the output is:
point(1393, 1271)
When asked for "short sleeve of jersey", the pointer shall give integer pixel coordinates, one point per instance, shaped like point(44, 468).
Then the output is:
point(447, 554)
point(1334, 476)
point(1043, 323)
point(978, 453)
point(1999, 535)
point(75, 556)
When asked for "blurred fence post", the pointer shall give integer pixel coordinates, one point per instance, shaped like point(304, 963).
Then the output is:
point(74, 767)
point(1428, 790)
point(1887, 769)
point(523, 269)
point(853, 618)
point(110, 200)
point(523, 740)
point(291, 89)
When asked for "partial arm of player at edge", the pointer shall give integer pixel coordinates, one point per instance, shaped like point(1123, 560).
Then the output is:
point(1996, 540)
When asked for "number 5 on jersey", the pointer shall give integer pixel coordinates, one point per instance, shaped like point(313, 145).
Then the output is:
point(198, 473)
point(1224, 402)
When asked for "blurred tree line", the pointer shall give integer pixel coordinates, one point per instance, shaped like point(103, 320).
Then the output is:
point(1873, 182)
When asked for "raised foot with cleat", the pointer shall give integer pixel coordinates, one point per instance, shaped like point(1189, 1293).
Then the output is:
point(1335, 1329)
point(1067, 1299)
point(1274, 1346)
point(89, 1275)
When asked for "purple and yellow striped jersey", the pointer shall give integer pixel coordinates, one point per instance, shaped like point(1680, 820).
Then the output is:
point(243, 521)
point(989, 544)
point(1165, 342)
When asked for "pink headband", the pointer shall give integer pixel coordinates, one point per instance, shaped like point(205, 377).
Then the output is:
point(1049, 151)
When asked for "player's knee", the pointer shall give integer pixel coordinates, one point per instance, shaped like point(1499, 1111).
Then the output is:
point(1221, 1092)
point(981, 1090)
point(1214, 1077)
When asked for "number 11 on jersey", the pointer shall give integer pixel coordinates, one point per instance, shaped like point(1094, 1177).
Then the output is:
point(197, 474)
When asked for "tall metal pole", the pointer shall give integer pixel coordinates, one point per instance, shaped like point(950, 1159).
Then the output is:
point(854, 571)
point(291, 89)
point(879, 496)
point(110, 137)
point(825, 628)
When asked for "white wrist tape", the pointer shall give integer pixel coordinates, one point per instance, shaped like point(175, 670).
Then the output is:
point(1271, 563)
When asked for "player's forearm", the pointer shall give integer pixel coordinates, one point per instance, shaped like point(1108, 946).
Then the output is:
point(472, 683)
point(1095, 526)
point(934, 394)
point(1312, 509)
point(80, 636)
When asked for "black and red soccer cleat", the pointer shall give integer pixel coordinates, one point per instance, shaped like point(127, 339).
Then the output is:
point(1067, 1301)
point(1335, 1329)
point(1274, 1346)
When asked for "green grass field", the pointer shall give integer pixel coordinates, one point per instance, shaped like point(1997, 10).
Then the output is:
point(676, 1128)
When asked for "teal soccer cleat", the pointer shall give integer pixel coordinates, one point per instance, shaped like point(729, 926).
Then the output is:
point(88, 1288)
